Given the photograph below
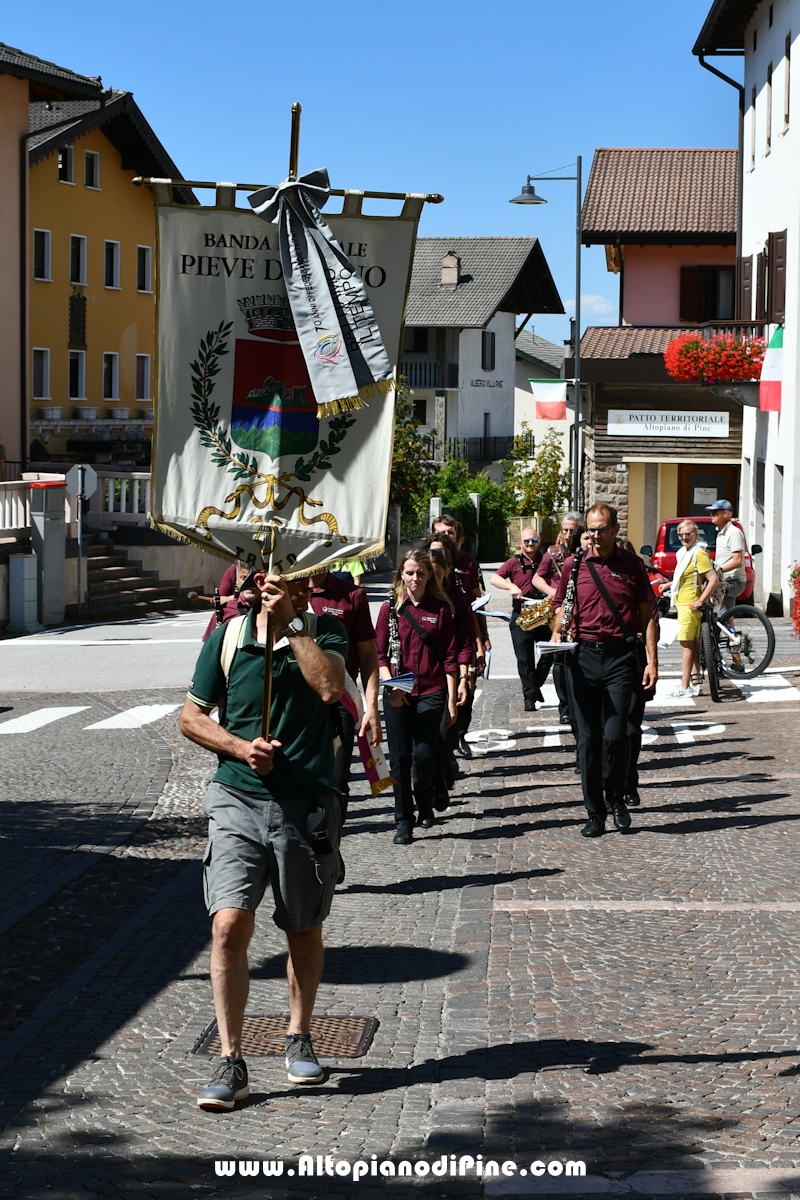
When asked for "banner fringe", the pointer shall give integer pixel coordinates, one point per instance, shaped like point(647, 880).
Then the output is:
point(353, 403)
point(380, 785)
point(188, 541)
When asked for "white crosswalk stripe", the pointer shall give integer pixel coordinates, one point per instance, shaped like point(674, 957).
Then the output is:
point(133, 718)
point(39, 718)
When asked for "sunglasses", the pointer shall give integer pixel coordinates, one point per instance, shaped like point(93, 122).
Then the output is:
point(599, 532)
point(530, 541)
point(688, 533)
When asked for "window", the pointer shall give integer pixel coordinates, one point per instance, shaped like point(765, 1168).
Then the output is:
point(769, 108)
point(42, 241)
point(770, 16)
point(787, 79)
point(41, 374)
point(111, 265)
point(415, 341)
point(91, 169)
point(77, 375)
point(421, 411)
point(753, 129)
point(707, 293)
point(144, 262)
point(142, 376)
point(66, 164)
point(755, 40)
point(77, 259)
point(111, 377)
point(77, 321)
point(487, 425)
point(487, 351)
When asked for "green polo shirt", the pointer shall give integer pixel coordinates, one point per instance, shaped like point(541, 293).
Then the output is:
point(299, 720)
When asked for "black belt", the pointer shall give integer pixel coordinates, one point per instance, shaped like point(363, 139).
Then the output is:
point(612, 646)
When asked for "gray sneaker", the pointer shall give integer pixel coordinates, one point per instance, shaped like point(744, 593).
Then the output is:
point(301, 1061)
point(228, 1084)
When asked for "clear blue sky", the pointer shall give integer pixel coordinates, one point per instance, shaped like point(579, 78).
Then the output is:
point(462, 98)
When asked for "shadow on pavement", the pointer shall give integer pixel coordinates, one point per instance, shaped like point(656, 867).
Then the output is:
point(441, 883)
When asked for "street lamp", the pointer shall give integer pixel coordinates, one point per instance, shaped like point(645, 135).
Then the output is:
point(528, 196)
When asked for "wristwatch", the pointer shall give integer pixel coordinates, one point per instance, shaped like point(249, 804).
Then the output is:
point(295, 626)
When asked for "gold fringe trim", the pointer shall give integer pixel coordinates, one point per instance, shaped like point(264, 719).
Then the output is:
point(370, 552)
point(380, 785)
point(160, 527)
point(353, 403)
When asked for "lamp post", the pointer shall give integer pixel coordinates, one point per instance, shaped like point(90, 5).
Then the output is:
point(528, 196)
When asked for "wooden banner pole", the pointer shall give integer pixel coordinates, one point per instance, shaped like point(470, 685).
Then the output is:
point(294, 149)
point(266, 696)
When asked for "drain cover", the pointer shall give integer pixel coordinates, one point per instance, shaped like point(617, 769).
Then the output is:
point(334, 1037)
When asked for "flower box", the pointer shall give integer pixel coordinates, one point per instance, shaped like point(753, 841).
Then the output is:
point(723, 358)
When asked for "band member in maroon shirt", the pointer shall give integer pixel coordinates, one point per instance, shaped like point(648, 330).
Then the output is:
point(602, 672)
point(545, 579)
point(415, 633)
point(465, 624)
point(349, 604)
point(516, 576)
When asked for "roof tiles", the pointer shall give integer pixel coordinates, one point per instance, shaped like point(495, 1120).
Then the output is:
point(625, 340)
point(660, 192)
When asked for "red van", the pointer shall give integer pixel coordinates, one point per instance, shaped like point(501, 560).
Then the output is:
point(668, 544)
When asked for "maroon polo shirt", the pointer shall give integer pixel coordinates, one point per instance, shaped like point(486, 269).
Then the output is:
point(464, 622)
point(336, 598)
point(430, 665)
point(467, 567)
point(550, 567)
point(626, 582)
point(521, 573)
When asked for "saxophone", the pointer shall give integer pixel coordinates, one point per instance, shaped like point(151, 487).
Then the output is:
point(535, 613)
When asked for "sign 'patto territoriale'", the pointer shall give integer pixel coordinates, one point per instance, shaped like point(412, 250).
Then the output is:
point(666, 423)
point(277, 348)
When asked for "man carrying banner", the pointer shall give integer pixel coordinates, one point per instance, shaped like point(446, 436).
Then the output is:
point(273, 812)
point(349, 604)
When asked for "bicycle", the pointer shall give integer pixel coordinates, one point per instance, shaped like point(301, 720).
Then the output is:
point(740, 646)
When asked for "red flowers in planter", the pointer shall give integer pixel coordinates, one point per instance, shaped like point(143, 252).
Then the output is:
point(724, 358)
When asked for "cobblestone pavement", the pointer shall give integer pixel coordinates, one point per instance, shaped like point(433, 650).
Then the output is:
point(629, 1002)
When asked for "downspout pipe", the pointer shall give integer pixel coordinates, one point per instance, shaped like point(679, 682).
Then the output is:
point(740, 162)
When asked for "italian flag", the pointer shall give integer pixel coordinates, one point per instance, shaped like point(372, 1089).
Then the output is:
point(769, 390)
point(550, 397)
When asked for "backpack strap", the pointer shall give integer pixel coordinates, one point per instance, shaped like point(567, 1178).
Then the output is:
point(232, 639)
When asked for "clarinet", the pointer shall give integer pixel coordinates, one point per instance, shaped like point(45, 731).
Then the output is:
point(394, 639)
point(218, 607)
point(569, 597)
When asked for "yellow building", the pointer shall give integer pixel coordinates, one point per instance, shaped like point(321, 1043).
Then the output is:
point(92, 281)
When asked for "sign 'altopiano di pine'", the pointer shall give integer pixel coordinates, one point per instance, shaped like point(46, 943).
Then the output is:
point(279, 333)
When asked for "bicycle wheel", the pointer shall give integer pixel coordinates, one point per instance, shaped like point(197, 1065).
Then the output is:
point(750, 650)
point(709, 661)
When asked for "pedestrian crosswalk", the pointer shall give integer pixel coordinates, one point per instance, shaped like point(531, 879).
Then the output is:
point(131, 718)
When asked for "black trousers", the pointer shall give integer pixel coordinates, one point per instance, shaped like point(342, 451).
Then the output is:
point(560, 682)
point(600, 685)
point(634, 731)
point(343, 761)
point(413, 735)
point(531, 677)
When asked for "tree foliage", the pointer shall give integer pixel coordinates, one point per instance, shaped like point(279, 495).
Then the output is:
point(542, 484)
point(453, 484)
point(411, 457)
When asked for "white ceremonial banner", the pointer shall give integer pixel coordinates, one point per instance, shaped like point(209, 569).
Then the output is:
point(241, 463)
point(652, 422)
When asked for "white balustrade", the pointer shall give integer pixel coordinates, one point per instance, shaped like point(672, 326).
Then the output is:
point(15, 508)
point(122, 497)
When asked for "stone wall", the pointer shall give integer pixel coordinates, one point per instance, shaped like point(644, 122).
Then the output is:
point(607, 483)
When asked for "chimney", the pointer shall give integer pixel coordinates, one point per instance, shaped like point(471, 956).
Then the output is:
point(451, 269)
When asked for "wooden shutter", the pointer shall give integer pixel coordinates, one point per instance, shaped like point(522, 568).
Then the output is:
point(776, 296)
point(744, 275)
point(692, 293)
point(761, 286)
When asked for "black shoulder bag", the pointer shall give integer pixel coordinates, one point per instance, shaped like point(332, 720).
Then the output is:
point(636, 644)
point(423, 633)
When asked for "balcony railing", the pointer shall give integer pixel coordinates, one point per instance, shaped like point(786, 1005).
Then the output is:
point(476, 449)
point(15, 509)
point(430, 374)
point(122, 497)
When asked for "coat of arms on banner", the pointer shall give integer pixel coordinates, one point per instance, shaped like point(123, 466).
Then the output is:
point(247, 458)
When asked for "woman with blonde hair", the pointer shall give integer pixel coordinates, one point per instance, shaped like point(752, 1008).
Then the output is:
point(692, 565)
point(415, 634)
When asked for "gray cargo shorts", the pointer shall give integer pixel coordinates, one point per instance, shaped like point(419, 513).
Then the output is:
point(252, 842)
